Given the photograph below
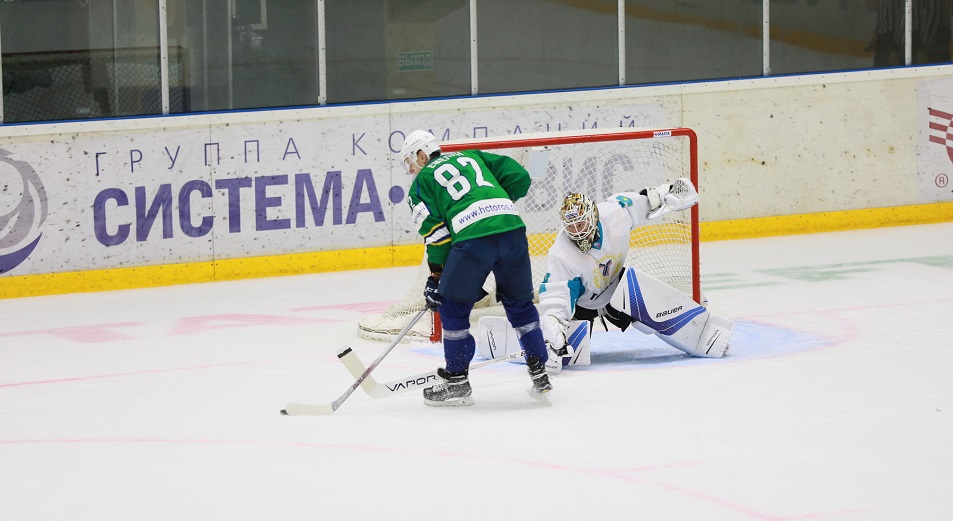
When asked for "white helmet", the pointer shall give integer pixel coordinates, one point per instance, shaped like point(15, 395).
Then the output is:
point(580, 219)
point(417, 140)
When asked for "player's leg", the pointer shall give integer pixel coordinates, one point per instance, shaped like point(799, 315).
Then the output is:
point(458, 344)
point(461, 284)
point(656, 307)
point(458, 348)
point(514, 283)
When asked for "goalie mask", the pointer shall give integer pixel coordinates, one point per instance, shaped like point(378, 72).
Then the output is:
point(580, 219)
point(417, 140)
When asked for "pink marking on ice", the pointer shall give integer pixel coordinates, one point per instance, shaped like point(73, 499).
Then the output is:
point(150, 371)
point(89, 334)
point(608, 474)
point(363, 307)
point(195, 325)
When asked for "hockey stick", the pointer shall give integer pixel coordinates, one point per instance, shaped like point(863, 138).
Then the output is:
point(374, 389)
point(299, 409)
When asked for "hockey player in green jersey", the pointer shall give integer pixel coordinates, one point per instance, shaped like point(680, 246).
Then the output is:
point(463, 204)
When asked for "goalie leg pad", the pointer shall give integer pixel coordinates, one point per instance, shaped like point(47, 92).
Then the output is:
point(714, 338)
point(578, 338)
point(671, 315)
point(497, 338)
point(574, 349)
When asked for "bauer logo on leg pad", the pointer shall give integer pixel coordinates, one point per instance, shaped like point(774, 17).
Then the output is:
point(661, 314)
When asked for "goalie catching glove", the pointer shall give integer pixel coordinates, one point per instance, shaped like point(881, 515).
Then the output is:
point(674, 197)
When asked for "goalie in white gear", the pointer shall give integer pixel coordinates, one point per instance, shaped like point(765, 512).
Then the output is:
point(585, 266)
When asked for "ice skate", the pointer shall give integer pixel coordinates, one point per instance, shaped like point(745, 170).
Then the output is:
point(453, 391)
point(537, 371)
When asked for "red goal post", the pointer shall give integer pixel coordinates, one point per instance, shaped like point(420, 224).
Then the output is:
point(598, 163)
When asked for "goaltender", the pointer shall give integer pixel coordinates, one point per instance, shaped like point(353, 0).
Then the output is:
point(586, 278)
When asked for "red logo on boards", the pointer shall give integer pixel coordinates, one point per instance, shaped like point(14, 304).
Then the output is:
point(941, 130)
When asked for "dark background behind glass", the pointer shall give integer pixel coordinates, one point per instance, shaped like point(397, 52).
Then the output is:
point(77, 59)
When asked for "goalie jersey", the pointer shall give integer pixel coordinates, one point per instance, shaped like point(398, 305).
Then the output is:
point(588, 279)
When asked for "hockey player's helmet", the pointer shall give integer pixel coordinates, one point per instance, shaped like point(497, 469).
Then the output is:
point(580, 219)
point(417, 140)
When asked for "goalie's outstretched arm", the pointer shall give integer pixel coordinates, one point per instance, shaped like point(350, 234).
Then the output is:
point(671, 197)
point(647, 205)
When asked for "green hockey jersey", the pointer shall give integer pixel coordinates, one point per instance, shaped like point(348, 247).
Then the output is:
point(464, 195)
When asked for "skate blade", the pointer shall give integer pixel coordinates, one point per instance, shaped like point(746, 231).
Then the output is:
point(455, 402)
point(540, 397)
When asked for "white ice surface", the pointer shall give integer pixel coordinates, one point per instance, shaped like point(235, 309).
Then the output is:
point(835, 403)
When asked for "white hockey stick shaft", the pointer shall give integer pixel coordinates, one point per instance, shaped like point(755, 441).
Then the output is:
point(374, 389)
point(299, 409)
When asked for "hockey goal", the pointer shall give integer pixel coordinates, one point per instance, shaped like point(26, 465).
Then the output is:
point(597, 163)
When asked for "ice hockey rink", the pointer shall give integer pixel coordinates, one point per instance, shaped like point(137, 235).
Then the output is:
point(835, 402)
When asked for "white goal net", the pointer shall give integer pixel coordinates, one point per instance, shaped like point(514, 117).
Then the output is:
point(597, 163)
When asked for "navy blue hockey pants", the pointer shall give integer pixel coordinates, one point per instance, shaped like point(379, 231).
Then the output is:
point(506, 255)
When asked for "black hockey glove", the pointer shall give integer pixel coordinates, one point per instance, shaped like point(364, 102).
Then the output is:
point(432, 295)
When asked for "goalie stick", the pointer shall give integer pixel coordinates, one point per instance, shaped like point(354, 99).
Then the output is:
point(299, 409)
point(374, 389)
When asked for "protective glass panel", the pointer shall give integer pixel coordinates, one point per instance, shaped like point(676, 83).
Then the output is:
point(200, 45)
point(397, 49)
point(821, 36)
point(534, 45)
point(76, 59)
point(691, 40)
point(239, 54)
point(930, 39)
